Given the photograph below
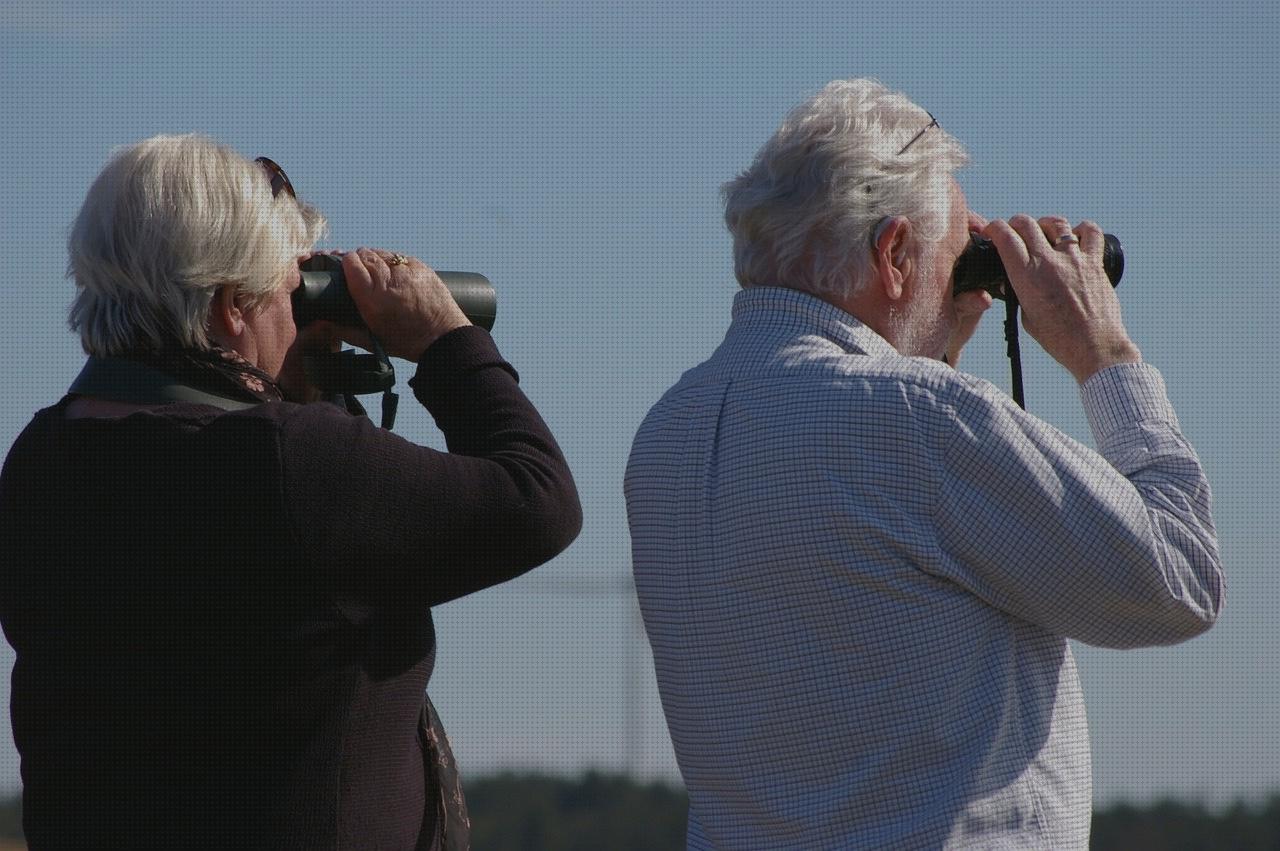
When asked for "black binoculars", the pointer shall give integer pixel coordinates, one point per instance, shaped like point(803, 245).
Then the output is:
point(323, 294)
point(979, 267)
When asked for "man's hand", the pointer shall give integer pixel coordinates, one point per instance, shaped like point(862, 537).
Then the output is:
point(1068, 304)
point(969, 306)
point(402, 300)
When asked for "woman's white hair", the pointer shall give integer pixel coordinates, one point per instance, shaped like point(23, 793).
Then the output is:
point(168, 221)
point(804, 213)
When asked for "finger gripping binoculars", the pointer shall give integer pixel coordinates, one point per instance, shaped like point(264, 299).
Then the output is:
point(979, 266)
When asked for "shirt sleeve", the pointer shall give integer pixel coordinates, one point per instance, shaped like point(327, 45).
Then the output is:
point(1114, 548)
point(391, 521)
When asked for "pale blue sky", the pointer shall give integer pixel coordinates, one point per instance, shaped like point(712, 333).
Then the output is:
point(573, 153)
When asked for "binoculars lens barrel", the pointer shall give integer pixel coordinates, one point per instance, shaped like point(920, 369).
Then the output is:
point(323, 294)
point(979, 266)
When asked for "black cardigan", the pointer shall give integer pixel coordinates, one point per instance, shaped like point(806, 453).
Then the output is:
point(222, 619)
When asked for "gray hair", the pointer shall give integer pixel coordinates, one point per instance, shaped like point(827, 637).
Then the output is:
point(804, 213)
point(168, 221)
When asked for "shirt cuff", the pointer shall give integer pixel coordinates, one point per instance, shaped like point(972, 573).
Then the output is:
point(1124, 401)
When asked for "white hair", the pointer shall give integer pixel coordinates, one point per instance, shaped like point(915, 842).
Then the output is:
point(168, 221)
point(804, 213)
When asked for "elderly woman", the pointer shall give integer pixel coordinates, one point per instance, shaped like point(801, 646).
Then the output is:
point(220, 598)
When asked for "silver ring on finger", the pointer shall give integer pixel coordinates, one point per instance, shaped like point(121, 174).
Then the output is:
point(1066, 239)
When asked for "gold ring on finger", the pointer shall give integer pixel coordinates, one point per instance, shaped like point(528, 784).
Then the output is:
point(397, 260)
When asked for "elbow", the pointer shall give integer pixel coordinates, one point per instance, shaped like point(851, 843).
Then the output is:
point(516, 532)
point(1186, 622)
point(1187, 585)
point(1176, 593)
point(555, 526)
point(548, 520)
point(1177, 615)
point(1196, 600)
point(1206, 611)
point(1185, 625)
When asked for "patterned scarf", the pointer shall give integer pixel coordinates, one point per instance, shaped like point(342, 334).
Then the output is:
point(219, 370)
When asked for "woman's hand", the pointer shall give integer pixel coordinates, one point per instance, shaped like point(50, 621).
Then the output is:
point(402, 300)
point(315, 338)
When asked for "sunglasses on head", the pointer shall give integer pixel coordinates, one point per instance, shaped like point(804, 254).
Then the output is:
point(279, 180)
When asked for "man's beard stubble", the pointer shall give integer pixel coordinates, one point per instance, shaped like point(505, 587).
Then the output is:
point(920, 329)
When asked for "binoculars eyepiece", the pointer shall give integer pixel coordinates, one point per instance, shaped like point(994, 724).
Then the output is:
point(323, 294)
point(979, 267)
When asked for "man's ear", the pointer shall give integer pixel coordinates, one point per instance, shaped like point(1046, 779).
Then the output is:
point(226, 318)
point(891, 262)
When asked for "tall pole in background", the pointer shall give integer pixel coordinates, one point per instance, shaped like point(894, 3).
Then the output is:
point(616, 587)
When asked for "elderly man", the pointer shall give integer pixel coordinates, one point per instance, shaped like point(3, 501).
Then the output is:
point(858, 567)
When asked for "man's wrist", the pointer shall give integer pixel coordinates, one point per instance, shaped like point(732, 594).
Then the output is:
point(1112, 354)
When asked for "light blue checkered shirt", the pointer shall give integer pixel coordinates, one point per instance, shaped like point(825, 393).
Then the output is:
point(858, 572)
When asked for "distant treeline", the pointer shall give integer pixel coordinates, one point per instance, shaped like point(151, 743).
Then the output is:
point(531, 812)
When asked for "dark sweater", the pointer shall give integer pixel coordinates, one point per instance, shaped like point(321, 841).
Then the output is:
point(222, 619)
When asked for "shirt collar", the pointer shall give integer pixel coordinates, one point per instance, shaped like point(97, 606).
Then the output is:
point(784, 307)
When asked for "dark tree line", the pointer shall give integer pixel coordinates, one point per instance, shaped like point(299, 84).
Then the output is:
point(1188, 827)
point(532, 812)
point(528, 812)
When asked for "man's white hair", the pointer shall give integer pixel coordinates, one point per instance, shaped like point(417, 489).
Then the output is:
point(168, 221)
point(804, 213)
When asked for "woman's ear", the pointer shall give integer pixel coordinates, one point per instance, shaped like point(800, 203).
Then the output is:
point(226, 318)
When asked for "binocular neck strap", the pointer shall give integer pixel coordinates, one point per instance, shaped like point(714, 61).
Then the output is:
point(123, 380)
point(1015, 354)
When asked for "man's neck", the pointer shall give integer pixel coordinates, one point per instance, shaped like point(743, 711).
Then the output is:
point(870, 308)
